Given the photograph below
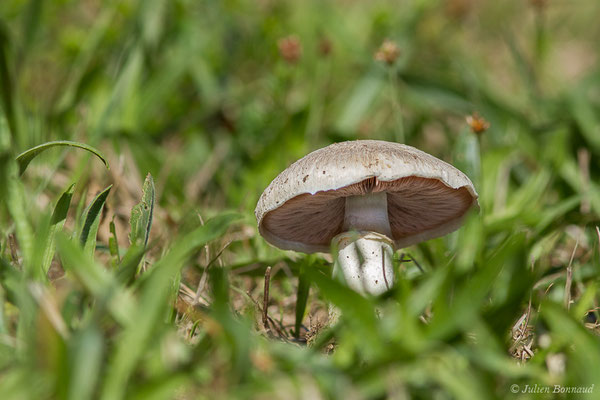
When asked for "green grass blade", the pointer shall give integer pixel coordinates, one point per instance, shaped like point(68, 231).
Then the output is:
point(141, 215)
point(153, 304)
point(581, 346)
point(10, 280)
point(84, 60)
point(165, 388)
point(25, 158)
point(232, 330)
point(556, 212)
point(586, 117)
point(91, 221)
point(359, 101)
point(471, 295)
point(357, 310)
point(31, 24)
point(113, 243)
point(129, 264)
point(6, 82)
point(467, 156)
point(86, 354)
point(16, 206)
point(586, 301)
point(59, 215)
point(301, 298)
point(95, 278)
point(3, 324)
point(79, 214)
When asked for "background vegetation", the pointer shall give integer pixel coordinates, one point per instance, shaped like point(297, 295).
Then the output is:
point(213, 99)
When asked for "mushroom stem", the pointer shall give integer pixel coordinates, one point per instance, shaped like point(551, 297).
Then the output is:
point(365, 250)
point(365, 260)
point(368, 212)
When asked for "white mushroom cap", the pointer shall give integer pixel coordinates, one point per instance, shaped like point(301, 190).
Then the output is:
point(303, 207)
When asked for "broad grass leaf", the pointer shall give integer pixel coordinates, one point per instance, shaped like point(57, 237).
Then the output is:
point(359, 102)
point(59, 215)
point(25, 158)
point(91, 221)
point(86, 352)
point(128, 266)
point(113, 243)
point(141, 215)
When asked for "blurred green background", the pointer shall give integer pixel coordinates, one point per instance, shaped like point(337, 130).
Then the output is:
point(214, 99)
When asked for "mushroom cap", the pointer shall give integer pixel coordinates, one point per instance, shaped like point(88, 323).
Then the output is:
point(303, 207)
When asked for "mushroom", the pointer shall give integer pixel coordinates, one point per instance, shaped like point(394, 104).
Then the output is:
point(366, 198)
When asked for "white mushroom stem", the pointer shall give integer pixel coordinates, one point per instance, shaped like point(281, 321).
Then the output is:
point(365, 260)
point(365, 250)
point(367, 212)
